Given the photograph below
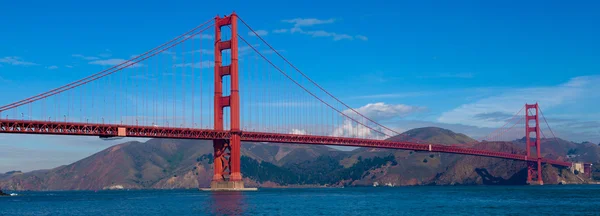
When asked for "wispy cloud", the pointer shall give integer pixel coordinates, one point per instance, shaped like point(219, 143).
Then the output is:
point(270, 51)
point(107, 53)
point(201, 51)
point(175, 54)
point(493, 116)
point(298, 131)
point(53, 67)
point(166, 52)
point(578, 124)
point(575, 91)
point(203, 64)
point(16, 61)
point(142, 77)
point(382, 111)
point(300, 22)
point(204, 36)
point(322, 33)
point(448, 75)
point(69, 66)
point(473, 93)
point(259, 33)
point(89, 58)
point(351, 129)
point(362, 37)
point(112, 62)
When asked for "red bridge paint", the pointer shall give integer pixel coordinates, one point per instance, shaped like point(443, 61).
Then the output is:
point(537, 165)
point(227, 151)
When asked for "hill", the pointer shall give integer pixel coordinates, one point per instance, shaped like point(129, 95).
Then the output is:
point(433, 135)
point(157, 163)
point(167, 163)
point(559, 148)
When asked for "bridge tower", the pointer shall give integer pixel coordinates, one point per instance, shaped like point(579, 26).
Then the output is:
point(227, 175)
point(532, 114)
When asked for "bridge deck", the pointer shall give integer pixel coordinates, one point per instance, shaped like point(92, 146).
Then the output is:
point(112, 130)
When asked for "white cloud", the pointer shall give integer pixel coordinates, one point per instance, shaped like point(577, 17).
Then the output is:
point(352, 129)
point(17, 61)
point(381, 111)
point(53, 67)
point(348, 129)
point(319, 33)
point(362, 37)
point(296, 29)
point(247, 48)
point(204, 36)
point(337, 37)
point(108, 62)
point(280, 31)
point(377, 112)
point(323, 33)
point(573, 92)
point(105, 55)
point(270, 51)
point(113, 62)
point(307, 22)
point(142, 77)
point(89, 58)
point(298, 131)
point(298, 22)
point(69, 66)
point(201, 51)
point(167, 52)
point(464, 75)
point(203, 64)
point(259, 33)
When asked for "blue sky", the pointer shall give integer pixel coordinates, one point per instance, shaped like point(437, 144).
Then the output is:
point(433, 63)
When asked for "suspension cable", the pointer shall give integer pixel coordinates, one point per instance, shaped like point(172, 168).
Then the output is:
point(103, 73)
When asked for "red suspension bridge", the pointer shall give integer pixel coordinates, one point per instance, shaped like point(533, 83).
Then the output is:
point(223, 87)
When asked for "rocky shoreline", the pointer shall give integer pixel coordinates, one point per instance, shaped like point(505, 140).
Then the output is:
point(3, 194)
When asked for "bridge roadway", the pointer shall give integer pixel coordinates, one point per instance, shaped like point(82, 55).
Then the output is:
point(114, 130)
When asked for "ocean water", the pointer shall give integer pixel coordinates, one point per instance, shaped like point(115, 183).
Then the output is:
point(423, 200)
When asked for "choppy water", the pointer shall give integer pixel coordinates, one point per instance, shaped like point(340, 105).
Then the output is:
point(429, 200)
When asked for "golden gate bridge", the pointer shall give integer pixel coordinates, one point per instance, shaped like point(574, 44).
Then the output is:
point(231, 89)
